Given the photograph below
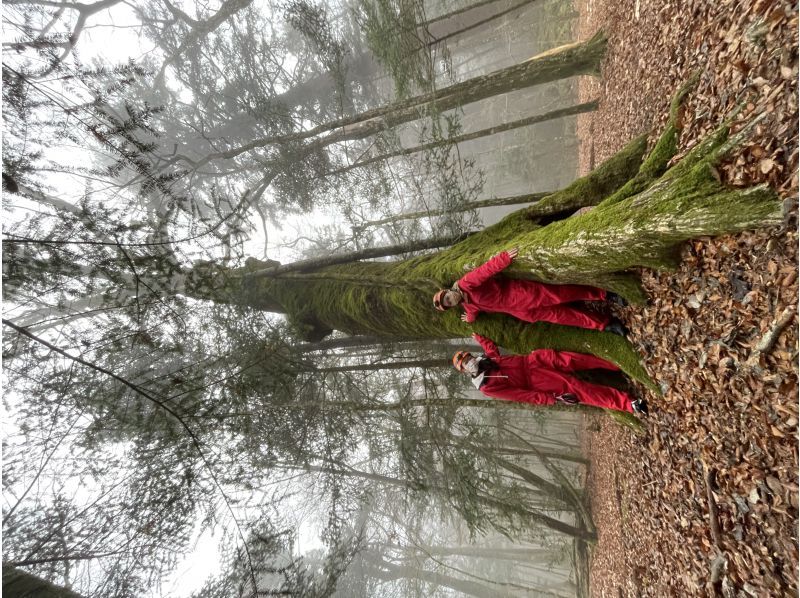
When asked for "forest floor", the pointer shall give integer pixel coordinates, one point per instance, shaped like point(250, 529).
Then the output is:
point(705, 502)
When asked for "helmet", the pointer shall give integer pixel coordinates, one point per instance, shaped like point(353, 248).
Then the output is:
point(438, 300)
point(459, 358)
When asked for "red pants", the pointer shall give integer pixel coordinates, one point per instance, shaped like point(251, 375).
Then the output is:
point(547, 295)
point(569, 315)
point(550, 370)
point(554, 300)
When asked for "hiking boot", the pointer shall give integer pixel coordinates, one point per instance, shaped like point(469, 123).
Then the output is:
point(640, 407)
point(614, 326)
point(612, 297)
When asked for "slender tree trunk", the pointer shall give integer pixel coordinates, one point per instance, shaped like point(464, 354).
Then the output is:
point(514, 554)
point(477, 24)
point(559, 63)
point(524, 122)
point(386, 571)
point(372, 341)
point(457, 12)
point(389, 365)
point(473, 205)
point(555, 491)
point(272, 268)
point(552, 455)
point(540, 518)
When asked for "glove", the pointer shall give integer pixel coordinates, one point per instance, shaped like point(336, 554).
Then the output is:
point(568, 398)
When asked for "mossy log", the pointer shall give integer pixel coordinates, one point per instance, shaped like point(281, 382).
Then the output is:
point(599, 248)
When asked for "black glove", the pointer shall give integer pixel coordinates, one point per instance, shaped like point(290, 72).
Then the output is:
point(568, 398)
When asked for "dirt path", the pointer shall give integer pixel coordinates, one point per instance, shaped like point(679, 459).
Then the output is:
point(728, 418)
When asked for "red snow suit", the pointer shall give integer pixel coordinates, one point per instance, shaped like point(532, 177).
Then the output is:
point(538, 377)
point(526, 299)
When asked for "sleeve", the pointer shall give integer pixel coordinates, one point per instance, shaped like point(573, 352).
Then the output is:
point(521, 395)
point(489, 347)
point(471, 313)
point(483, 273)
point(567, 361)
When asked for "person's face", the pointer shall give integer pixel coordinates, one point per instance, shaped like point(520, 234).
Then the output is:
point(471, 366)
point(451, 298)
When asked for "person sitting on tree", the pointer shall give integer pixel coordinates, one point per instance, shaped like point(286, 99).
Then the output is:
point(528, 300)
point(543, 378)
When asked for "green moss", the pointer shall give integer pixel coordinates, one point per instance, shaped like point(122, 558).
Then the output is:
point(629, 420)
point(642, 229)
point(591, 189)
point(664, 150)
point(522, 338)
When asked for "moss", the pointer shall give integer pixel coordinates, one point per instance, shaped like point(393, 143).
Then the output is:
point(591, 189)
point(598, 248)
point(663, 151)
point(522, 338)
point(629, 420)
point(392, 299)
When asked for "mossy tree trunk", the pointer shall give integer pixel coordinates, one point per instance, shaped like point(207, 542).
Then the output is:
point(641, 225)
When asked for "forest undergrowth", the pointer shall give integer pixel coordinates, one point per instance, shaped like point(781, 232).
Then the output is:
point(705, 501)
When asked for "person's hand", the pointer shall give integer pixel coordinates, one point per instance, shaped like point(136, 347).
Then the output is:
point(513, 252)
point(464, 317)
point(568, 398)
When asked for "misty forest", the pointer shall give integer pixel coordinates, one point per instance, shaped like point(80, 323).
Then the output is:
point(224, 222)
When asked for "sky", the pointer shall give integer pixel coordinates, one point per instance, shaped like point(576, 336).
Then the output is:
point(116, 44)
point(111, 38)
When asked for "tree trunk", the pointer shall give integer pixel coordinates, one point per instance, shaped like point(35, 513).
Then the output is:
point(457, 12)
point(21, 584)
point(272, 268)
point(387, 571)
point(473, 205)
point(477, 24)
point(559, 63)
point(535, 516)
point(372, 341)
point(515, 554)
point(644, 230)
point(524, 122)
point(389, 365)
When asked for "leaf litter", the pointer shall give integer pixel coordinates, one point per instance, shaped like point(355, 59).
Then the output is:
point(705, 502)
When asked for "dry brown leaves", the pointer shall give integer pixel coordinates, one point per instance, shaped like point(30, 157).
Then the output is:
point(726, 409)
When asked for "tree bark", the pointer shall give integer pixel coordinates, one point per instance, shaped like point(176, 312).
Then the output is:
point(275, 269)
point(387, 571)
point(524, 122)
point(21, 584)
point(559, 63)
point(473, 205)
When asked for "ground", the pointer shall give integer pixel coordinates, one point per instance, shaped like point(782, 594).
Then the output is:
point(724, 435)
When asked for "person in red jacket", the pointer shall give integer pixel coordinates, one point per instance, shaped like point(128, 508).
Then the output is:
point(481, 290)
point(542, 378)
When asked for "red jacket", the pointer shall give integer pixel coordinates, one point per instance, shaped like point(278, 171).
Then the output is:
point(541, 375)
point(526, 300)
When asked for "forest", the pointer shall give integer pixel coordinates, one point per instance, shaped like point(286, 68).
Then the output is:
point(223, 224)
